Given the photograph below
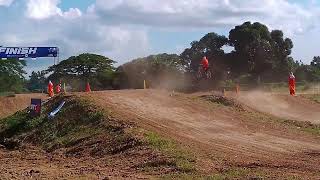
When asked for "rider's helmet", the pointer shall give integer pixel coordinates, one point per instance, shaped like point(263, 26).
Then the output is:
point(204, 57)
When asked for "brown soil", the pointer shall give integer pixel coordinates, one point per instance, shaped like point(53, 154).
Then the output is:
point(10, 105)
point(31, 162)
point(283, 106)
point(236, 137)
point(222, 135)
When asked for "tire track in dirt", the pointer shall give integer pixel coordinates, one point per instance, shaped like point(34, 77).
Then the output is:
point(221, 129)
point(34, 163)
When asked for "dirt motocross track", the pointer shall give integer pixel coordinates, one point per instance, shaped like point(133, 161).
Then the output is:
point(283, 106)
point(238, 136)
point(234, 135)
point(9, 105)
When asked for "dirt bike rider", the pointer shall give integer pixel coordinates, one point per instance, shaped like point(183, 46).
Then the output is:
point(204, 69)
point(205, 64)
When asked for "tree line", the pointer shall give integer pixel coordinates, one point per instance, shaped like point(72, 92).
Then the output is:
point(257, 55)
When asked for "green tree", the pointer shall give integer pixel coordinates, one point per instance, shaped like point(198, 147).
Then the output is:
point(12, 75)
point(282, 63)
point(252, 48)
point(156, 69)
point(307, 73)
point(260, 52)
point(310, 72)
point(210, 45)
point(121, 79)
point(316, 61)
point(77, 70)
point(37, 81)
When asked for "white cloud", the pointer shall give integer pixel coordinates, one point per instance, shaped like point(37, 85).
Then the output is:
point(78, 36)
point(72, 31)
point(5, 2)
point(42, 9)
point(119, 28)
point(296, 20)
point(72, 13)
point(208, 13)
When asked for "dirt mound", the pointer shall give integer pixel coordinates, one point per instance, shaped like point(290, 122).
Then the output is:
point(236, 137)
point(223, 100)
point(10, 105)
point(282, 106)
point(83, 133)
point(224, 140)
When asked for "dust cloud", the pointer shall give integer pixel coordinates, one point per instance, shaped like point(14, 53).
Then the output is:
point(282, 106)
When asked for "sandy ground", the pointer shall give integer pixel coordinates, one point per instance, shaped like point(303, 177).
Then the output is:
point(221, 130)
point(10, 105)
point(220, 134)
point(283, 106)
point(33, 163)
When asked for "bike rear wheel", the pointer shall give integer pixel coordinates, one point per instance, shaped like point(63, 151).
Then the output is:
point(209, 74)
point(199, 73)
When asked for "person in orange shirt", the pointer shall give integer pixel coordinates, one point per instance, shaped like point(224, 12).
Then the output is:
point(50, 89)
point(205, 64)
point(292, 84)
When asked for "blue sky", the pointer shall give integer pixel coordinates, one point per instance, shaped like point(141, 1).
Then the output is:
point(81, 4)
point(128, 29)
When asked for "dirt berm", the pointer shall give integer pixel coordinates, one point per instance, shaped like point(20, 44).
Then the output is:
point(225, 134)
point(150, 133)
point(82, 141)
point(282, 106)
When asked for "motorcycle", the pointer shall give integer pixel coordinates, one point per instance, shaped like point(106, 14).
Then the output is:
point(204, 74)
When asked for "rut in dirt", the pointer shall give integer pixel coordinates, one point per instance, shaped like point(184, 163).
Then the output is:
point(80, 135)
point(217, 125)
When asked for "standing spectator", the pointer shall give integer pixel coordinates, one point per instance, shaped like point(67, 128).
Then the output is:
point(292, 84)
point(58, 88)
point(50, 89)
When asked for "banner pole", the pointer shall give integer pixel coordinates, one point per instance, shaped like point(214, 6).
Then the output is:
point(58, 55)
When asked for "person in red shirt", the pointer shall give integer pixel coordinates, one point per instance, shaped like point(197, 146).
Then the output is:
point(88, 88)
point(205, 64)
point(58, 88)
point(292, 84)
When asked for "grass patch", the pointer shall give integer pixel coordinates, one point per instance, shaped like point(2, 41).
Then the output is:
point(304, 126)
point(74, 137)
point(7, 94)
point(233, 173)
point(183, 160)
point(17, 124)
point(313, 97)
point(79, 121)
point(237, 173)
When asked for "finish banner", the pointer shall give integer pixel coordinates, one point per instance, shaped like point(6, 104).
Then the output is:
point(28, 52)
